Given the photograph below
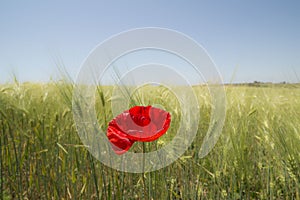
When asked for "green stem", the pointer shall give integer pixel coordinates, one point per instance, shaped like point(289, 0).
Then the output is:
point(94, 175)
point(143, 175)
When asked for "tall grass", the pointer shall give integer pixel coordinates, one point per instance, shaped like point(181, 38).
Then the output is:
point(256, 157)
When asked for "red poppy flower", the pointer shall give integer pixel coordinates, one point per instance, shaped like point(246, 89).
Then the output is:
point(139, 123)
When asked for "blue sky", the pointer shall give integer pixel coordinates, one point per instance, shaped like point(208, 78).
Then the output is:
point(248, 40)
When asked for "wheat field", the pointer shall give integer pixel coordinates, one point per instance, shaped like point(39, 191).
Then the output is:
point(256, 157)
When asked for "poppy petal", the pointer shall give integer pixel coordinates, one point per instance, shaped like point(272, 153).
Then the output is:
point(120, 143)
point(139, 123)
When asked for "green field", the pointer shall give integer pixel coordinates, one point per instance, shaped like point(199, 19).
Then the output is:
point(256, 157)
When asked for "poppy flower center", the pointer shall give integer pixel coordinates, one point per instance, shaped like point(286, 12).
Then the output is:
point(140, 115)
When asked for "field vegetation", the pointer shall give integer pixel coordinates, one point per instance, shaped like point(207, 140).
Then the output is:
point(256, 157)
